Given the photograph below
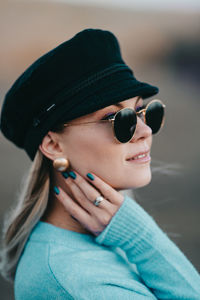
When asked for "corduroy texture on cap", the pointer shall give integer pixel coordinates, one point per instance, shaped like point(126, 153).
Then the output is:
point(80, 76)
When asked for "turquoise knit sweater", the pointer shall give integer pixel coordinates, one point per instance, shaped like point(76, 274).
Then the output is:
point(132, 258)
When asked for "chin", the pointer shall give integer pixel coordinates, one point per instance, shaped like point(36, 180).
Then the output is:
point(142, 184)
point(143, 180)
point(135, 182)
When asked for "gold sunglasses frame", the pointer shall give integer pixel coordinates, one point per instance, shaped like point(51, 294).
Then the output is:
point(138, 113)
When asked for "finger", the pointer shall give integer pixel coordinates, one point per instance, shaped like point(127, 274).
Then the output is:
point(72, 207)
point(107, 191)
point(89, 222)
point(85, 192)
point(82, 187)
point(80, 197)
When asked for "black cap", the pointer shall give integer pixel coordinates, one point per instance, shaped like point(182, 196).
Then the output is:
point(80, 76)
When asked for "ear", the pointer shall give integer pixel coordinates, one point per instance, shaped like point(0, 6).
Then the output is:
point(50, 146)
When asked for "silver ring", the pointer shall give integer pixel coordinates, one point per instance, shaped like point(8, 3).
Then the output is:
point(98, 200)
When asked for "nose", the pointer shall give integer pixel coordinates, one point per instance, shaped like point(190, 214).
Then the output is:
point(142, 131)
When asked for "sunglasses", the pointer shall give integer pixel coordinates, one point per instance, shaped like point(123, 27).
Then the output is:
point(125, 120)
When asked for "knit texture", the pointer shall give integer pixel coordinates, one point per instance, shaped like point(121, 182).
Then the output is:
point(131, 259)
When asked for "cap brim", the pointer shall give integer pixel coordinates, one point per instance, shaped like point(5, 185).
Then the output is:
point(118, 91)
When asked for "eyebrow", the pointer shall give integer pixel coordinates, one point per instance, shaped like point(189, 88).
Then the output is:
point(121, 106)
point(117, 105)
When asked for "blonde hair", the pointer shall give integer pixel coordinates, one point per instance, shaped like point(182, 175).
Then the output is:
point(23, 216)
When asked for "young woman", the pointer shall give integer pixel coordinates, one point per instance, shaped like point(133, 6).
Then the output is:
point(79, 113)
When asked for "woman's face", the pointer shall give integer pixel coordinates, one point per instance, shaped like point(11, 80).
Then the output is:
point(93, 148)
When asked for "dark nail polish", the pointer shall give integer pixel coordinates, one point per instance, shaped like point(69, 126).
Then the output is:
point(56, 190)
point(72, 174)
point(65, 175)
point(73, 218)
point(90, 176)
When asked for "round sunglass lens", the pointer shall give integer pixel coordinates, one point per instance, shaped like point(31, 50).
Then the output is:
point(154, 116)
point(125, 124)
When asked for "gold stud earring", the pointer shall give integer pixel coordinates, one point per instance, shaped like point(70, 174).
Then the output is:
point(61, 164)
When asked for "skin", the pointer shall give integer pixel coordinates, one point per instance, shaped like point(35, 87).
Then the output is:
point(93, 149)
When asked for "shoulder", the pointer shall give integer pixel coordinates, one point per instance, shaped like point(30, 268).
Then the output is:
point(72, 267)
point(95, 273)
point(34, 276)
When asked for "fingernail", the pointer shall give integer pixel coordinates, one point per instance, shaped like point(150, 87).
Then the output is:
point(72, 174)
point(65, 175)
point(90, 176)
point(56, 190)
point(73, 218)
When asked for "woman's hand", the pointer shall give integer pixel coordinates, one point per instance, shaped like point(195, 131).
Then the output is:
point(93, 218)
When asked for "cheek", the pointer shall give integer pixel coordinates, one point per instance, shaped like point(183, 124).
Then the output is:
point(90, 147)
point(90, 150)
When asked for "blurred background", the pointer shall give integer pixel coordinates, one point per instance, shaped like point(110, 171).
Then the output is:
point(160, 40)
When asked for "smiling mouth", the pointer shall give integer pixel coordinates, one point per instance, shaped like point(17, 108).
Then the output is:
point(141, 158)
point(139, 155)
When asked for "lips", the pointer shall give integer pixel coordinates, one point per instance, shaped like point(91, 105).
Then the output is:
point(139, 153)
